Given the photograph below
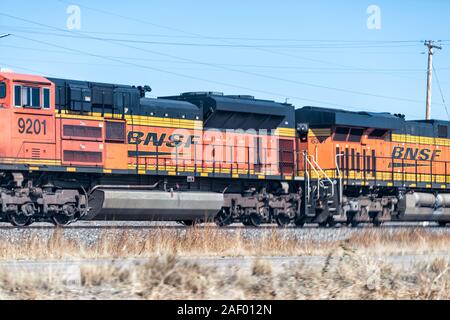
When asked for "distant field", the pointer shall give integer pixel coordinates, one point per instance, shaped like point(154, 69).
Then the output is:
point(344, 275)
point(345, 267)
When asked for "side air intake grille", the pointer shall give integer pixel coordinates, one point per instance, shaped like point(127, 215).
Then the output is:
point(82, 132)
point(115, 132)
point(82, 156)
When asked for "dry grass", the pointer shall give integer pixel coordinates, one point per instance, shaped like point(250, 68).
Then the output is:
point(214, 242)
point(345, 275)
point(350, 271)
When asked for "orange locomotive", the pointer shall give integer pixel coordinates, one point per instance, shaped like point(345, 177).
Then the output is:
point(75, 150)
point(375, 167)
point(81, 150)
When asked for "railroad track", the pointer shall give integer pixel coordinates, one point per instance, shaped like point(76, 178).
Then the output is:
point(176, 226)
point(91, 232)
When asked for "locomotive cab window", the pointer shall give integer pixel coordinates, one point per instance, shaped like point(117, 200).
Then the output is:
point(31, 97)
point(46, 98)
point(27, 97)
point(2, 90)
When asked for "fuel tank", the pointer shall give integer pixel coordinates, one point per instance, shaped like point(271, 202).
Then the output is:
point(443, 200)
point(424, 200)
point(426, 207)
point(139, 205)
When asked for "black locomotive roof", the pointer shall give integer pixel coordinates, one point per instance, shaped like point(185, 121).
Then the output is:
point(325, 118)
point(84, 96)
point(428, 128)
point(170, 108)
point(239, 112)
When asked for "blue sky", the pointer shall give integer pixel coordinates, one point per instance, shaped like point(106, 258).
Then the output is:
point(309, 52)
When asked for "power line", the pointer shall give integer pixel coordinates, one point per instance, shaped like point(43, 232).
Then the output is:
point(151, 68)
point(155, 35)
point(28, 70)
point(283, 68)
point(442, 93)
point(216, 45)
point(262, 66)
point(200, 79)
point(223, 67)
point(197, 35)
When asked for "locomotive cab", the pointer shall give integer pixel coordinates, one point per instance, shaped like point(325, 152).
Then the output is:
point(28, 128)
point(25, 92)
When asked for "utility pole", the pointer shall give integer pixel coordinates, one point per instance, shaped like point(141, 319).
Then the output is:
point(430, 44)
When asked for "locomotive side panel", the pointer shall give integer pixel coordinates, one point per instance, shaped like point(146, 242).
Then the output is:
point(164, 149)
point(384, 168)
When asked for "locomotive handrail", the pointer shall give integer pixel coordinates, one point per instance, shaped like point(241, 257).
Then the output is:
point(341, 191)
point(308, 186)
point(308, 178)
point(319, 182)
point(325, 175)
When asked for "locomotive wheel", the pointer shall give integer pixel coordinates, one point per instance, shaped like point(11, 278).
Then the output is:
point(354, 224)
point(20, 220)
point(283, 220)
point(254, 220)
point(323, 224)
point(299, 222)
point(329, 223)
point(351, 220)
point(61, 220)
point(224, 218)
point(190, 223)
point(376, 222)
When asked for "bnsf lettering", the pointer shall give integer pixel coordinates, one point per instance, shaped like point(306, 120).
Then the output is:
point(415, 154)
point(173, 141)
point(29, 126)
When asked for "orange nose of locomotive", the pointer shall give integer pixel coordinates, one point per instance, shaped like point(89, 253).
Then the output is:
point(27, 119)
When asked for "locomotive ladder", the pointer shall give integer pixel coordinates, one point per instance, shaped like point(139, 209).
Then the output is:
point(325, 185)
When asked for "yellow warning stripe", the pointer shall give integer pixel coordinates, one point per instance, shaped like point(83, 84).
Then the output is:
point(138, 120)
point(285, 132)
point(319, 133)
point(151, 121)
point(30, 161)
point(405, 138)
point(143, 170)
